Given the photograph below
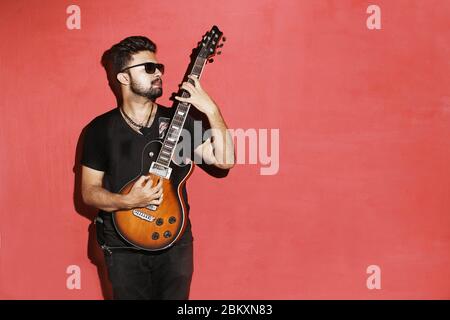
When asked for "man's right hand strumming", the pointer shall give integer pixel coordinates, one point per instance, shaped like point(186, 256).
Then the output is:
point(143, 194)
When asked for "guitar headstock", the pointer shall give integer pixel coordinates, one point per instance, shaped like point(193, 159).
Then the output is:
point(210, 43)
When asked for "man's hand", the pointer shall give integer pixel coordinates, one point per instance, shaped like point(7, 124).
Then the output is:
point(199, 98)
point(142, 194)
point(219, 150)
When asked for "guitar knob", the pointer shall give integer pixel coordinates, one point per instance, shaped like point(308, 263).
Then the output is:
point(155, 236)
point(172, 220)
point(167, 234)
point(159, 221)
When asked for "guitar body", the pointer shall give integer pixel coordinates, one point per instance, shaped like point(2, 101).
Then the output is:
point(156, 227)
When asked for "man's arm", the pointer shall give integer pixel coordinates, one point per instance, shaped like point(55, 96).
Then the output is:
point(141, 195)
point(219, 149)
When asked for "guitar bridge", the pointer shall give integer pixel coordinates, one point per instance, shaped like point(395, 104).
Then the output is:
point(160, 170)
point(143, 215)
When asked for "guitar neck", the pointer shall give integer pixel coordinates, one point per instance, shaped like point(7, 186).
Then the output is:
point(177, 123)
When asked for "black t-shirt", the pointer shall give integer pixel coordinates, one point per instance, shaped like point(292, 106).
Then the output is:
point(112, 146)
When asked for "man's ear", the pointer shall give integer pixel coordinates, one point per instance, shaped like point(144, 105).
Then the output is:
point(123, 78)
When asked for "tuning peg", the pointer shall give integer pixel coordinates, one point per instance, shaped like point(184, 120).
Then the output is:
point(219, 52)
point(220, 45)
point(211, 60)
point(224, 39)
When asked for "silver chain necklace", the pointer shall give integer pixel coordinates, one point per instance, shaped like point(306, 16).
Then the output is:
point(142, 128)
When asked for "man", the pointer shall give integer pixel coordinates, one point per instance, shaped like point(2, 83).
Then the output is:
point(112, 152)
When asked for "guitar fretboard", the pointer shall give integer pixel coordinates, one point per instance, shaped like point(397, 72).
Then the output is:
point(177, 123)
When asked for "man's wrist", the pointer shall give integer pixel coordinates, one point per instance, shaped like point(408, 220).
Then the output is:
point(213, 112)
point(123, 201)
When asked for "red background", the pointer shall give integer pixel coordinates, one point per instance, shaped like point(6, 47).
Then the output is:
point(364, 144)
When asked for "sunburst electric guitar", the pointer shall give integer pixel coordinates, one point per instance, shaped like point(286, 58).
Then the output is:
point(157, 227)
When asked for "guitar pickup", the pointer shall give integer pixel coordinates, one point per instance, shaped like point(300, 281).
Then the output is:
point(160, 170)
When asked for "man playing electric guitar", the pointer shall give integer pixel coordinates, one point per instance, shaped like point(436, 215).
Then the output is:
point(112, 156)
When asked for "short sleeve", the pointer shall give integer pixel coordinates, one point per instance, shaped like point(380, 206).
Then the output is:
point(94, 147)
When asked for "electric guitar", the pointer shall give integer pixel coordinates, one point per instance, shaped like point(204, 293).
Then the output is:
point(157, 227)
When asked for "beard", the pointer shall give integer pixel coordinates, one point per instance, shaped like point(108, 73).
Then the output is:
point(151, 93)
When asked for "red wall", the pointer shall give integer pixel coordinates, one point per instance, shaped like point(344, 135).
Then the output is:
point(364, 123)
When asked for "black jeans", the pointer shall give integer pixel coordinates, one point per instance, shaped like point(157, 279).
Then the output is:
point(138, 274)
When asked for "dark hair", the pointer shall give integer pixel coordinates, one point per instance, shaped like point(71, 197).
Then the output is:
point(119, 55)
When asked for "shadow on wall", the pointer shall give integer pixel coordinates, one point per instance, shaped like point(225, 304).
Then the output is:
point(94, 252)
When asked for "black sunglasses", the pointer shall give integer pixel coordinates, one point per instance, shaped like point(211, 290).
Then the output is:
point(150, 67)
